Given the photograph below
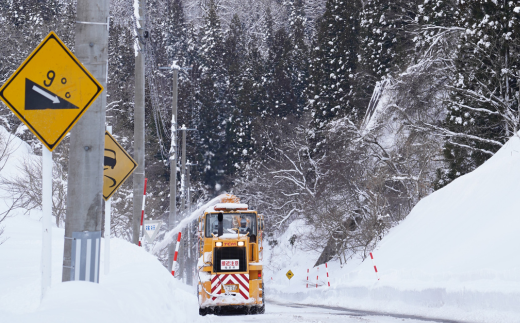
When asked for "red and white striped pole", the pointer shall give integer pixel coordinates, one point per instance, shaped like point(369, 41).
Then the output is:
point(375, 268)
point(142, 213)
point(327, 269)
point(176, 254)
point(307, 278)
point(318, 268)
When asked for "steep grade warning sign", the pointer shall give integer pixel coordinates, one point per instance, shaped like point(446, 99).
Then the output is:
point(50, 91)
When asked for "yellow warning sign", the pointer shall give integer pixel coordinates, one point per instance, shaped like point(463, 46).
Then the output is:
point(289, 274)
point(50, 91)
point(118, 166)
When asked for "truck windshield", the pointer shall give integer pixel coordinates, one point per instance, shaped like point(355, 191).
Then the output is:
point(243, 222)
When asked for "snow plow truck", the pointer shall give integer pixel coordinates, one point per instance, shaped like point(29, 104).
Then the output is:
point(230, 259)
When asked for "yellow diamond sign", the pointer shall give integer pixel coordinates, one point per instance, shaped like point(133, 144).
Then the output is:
point(50, 91)
point(289, 274)
point(117, 167)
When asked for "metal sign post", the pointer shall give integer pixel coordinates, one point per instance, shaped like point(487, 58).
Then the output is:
point(49, 92)
point(46, 219)
point(289, 275)
point(108, 210)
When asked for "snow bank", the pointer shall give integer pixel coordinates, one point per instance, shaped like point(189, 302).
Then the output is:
point(138, 288)
point(454, 256)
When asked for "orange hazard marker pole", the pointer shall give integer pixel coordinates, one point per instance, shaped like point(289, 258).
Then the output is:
point(141, 237)
point(375, 268)
point(176, 254)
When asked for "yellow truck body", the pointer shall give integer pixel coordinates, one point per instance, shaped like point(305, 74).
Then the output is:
point(230, 259)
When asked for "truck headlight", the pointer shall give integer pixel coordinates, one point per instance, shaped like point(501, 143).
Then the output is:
point(218, 244)
point(241, 243)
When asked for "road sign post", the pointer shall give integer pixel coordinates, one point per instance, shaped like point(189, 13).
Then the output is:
point(49, 92)
point(108, 214)
point(289, 275)
point(117, 167)
point(46, 219)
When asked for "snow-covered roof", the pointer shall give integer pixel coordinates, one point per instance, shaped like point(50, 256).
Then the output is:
point(230, 206)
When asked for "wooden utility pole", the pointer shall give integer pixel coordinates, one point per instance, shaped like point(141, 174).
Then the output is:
point(182, 253)
point(189, 273)
point(138, 177)
point(184, 260)
point(87, 139)
point(183, 172)
point(172, 219)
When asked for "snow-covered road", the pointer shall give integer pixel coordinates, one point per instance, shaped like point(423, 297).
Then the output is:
point(289, 313)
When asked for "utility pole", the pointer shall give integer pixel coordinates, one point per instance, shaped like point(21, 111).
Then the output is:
point(189, 276)
point(184, 179)
point(183, 261)
point(108, 214)
point(138, 177)
point(172, 218)
point(173, 168)
point(87, 140)
point(183, 171)
point(184, 255)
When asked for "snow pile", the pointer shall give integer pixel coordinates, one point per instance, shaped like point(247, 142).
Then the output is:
point(455, 255)
point(285, 253)
point(138, 288)
point(170, 236)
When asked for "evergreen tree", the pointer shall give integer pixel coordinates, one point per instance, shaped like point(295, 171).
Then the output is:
point(300, 55)
point(234, 57)
point(280, 88)
point(483, 107)
point(385, 41)
point(333, 63)
point(211, 99)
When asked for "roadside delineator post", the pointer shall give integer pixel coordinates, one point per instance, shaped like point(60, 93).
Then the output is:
point(176, 253)
point(307, 278)
point(327, 269)
point(375, 268)
point(317, 268)
point(141, 234)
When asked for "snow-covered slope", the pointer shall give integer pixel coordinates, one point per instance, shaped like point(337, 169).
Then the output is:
point(138, 288)
point(454, 256)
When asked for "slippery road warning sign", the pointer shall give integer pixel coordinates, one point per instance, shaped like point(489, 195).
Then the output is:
point(50, 91)
point(118, 166)
point(289, 275)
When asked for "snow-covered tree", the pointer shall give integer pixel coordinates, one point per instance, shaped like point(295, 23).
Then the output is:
point(483, 107)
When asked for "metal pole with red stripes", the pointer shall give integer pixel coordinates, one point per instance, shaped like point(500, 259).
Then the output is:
point(375, 268)
point(318, 268)
point(141, 236)
point(176, 254)
point(307, 278)
point(327, 269)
